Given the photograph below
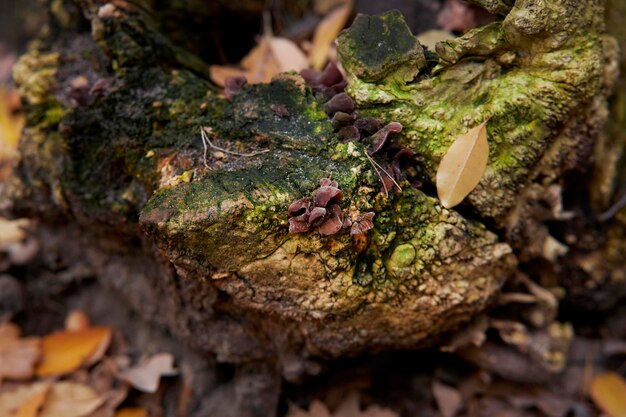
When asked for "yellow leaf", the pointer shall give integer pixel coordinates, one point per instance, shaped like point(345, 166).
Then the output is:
point(17, 356)
point(266, 60)
point(64, 352)
point(131, 412)
point(608, 392)
point(326, 33)
point(147, 375)
point(70, 399)
point(462, 167)
point(31, 407)
point(12, 401)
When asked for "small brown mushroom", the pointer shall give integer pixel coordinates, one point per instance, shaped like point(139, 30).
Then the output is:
point(326, 195)
point(340, 102)
point(333, 223)
point(362, 223)
point(300, 208)
point(327, 182)
point(341, 119)
point(379, 139)
point(317, 216)
point(348, 133)
point(233, 86)
point(368, 125)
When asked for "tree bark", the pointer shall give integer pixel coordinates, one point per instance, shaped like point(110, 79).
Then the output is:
point(112, 146)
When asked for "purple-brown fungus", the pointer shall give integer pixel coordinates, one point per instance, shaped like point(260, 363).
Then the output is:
point(379, 139)
point(362, 223)
point(326, 195)
point(233, 86)
point(368, 125)
point(333, 223)
point(323, 212)
point(348, 133)
point(339, 103)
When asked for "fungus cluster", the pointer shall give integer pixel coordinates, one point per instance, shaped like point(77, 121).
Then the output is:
point(397, 163)
point(323, 212)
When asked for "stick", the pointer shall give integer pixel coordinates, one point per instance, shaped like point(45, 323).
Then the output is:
point(206, 142)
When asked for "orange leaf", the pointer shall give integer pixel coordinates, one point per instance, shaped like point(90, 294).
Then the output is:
point(608, 392)
point(131, 412)
point(463, 165)
point(11, 402)
point(266, 60)
point(17, 356)
point(64, 352)
point(326, 33)
point(31, 407)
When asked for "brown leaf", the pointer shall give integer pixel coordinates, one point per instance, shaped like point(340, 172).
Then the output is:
point(17, 356)
point(69, 399)
point(31, 407)
point(266, 60)
point(64, 352)
point(608, 392)
point(462, 167)
point(147, 374)
point(326, 33)
point(12, 402)
point(448, 399)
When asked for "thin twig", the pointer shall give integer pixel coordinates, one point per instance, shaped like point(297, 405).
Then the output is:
point(206, 142)
point(375, 165)
point(613, 210)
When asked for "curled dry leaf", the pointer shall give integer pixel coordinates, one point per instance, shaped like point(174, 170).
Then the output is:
point(326, 33)
point(18, 356)
point(64, 352)
point(22, 399)
point(462, 167)
point(34, 403)
point(269, 58)
point(70, 399)
point(147, 374)
point(608, 392)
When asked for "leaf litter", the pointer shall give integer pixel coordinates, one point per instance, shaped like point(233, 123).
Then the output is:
point(67, 373)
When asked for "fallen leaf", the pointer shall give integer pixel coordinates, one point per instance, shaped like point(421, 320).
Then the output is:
point(69, 399)
point(147, 374)
point(18, 356)
point(64, 352)
point(269, 58)
point(12, 401)
point(462, 167)
point(608, 392)
point(31, 407)
point(448, 399)
point(76, 320)
point(131, 412)
point(326, 33)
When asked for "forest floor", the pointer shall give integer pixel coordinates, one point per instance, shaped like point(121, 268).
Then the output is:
point(71, 348)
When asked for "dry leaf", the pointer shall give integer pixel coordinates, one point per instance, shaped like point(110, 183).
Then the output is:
point(12, 401)
point(608, 392)
point(146, 376)
point(31, 407)
point(448, 399)
point(269, 58)
point(462, 167)
point(349, 407)
point(17, 356)
point(132, 412)
point(76, 320)
point(326, 33)
point(69, 399)
point(64, 352)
